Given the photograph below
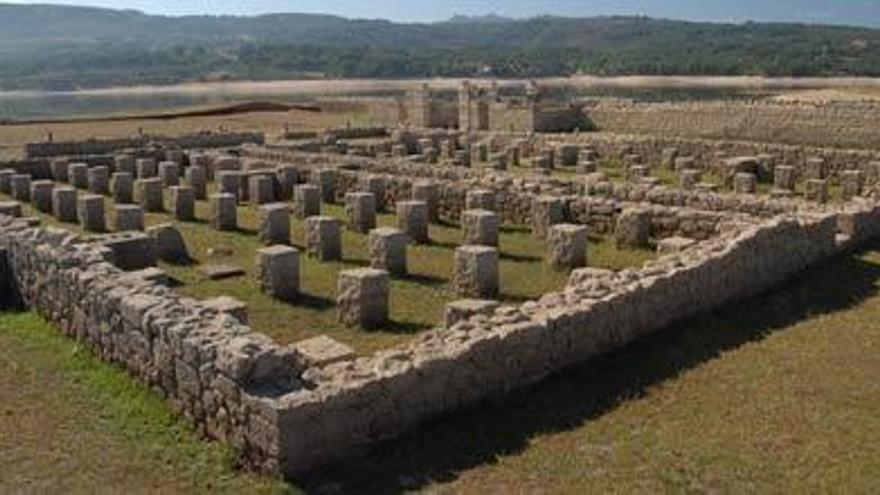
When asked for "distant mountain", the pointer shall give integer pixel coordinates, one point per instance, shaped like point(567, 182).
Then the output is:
point(54, 46)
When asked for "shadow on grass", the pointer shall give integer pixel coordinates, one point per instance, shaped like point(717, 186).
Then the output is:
point(519, 258)
point(477, 435)
point(314, 302)
point(423, 279)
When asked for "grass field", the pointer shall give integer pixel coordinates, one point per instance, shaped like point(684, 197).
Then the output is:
point(416, 301)
point(70, 423)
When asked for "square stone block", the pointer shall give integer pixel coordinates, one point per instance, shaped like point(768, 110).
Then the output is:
point(128, 218)
point(324, 237)
point(388, 250)
point(64, 204)
point(546, 212)
point(362, 297)
point(274, 223)
point(480, 227)
point(224, 212)
point(412, 219)
point(278, 272)
point(360, 209)
point(567, 246)
point(306, 201)
point(476, 272)
point(41, 195)
point(90, 208)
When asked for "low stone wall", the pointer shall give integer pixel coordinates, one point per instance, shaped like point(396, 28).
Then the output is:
point(705, 151)
point(106, 146)
point(851, 125)
point(351, 405)
point(212, 368)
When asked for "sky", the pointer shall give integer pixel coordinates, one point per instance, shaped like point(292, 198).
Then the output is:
point(860, 12)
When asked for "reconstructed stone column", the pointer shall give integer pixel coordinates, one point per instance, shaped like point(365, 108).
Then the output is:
point(850, 184)
point(124, 164)
point(476, 271)
point(360, 209)
point(428, 191)
point(224, 212)
point(148, 193)
point(375, 184)
point(688, 178)
point(21, 187)
point(122, 187)
point(480, 227)
point(567, 246)
point(128, 218)
point(146, 168)
point(388, 250)
point(306, 201)
point(229, 182)
point(412, 219)
point(480, 199)
point(41, 195)
point(197, 178)
point(64, 204)
point(274, 223)
point(784, 177)
point(78, 174)
point(90, 208)
point(6, 180)
point(816, 190)
point(546, 212)
point(183, 203)
point(325, 179)
point(745, 183)
point(362, 297)
point(169, 172)
point(59, 169)
point(99, 180)
point(262, 190)
point(633, 228)
point(324, 238)
point(278, 272)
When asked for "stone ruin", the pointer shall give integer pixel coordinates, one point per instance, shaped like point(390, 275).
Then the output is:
point(292, 409)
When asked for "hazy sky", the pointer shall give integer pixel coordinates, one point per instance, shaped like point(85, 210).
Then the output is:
point(830, 11)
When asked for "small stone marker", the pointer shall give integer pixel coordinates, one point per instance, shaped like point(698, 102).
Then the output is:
point(21, 187)
point(480, 227)
point(148, 193)
point(90, 208)
point(274, 224)
point(224, 212)
point(567, 246)
point(169, 172)
point(324, 237)
point(78, 174)
point(633, 228)
point(306, 201)
point(412, 219)
point(278, 272)
point(476, 272)
point(360, 209)
point(428, 191)
point(183, 203)
point(64, 204)
point(99, 180)
point(122, 187)
point(41, 195)
point(546, 212)
point(388, 250)
point(197, 178)
point(480, 199)
point(128, 218)
point(362, 297)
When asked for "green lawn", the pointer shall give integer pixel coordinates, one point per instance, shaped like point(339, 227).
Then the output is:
point(70, 423)
point(417, 301)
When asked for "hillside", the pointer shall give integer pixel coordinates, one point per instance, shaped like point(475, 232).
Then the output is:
point(44, 46)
